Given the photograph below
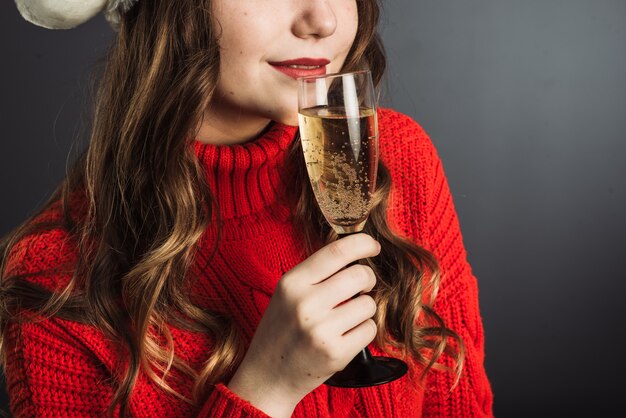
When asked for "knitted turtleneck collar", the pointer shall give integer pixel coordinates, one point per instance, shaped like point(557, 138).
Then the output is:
point(249, 177)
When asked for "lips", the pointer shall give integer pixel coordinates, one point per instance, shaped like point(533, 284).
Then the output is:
point(301, 67)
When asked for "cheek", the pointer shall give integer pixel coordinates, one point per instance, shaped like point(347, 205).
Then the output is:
point(245, 31)
point(347, 32)
point(241, 51)
point(239, 56)
point(236, 48)
point(353, 19)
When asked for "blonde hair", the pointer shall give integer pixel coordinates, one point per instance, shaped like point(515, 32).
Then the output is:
point(146, 204)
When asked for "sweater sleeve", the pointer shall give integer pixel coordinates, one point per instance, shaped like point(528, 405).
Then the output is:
point(60, 368)
point(225, 403)
point(50, 373)
point(457, 304)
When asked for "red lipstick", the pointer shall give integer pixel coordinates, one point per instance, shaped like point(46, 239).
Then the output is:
point(302, 67)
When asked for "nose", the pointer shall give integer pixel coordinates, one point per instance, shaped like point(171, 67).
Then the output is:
point(315, 18)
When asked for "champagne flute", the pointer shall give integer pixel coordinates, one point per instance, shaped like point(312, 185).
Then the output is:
point(339, 133)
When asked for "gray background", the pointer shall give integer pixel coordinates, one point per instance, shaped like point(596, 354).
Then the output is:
point(526, 103)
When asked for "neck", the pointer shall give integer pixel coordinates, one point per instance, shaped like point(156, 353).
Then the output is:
point(250, 177)
point(225, 125)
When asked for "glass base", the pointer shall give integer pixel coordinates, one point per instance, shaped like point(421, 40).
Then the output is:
point(365, 370)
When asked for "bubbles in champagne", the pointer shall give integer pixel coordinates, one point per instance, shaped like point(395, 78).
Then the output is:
point(341, 158)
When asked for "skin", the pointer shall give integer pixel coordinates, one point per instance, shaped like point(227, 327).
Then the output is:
point(250, 93)
point(306, 334)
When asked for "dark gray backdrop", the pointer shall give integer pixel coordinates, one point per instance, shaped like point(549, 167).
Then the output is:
point(526, 103)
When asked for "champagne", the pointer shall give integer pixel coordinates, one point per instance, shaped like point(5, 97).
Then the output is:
point(339, 133)
point(341, 154)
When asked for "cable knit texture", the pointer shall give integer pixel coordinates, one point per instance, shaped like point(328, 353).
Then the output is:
point(61, 368)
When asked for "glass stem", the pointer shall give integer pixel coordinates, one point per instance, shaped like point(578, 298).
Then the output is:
point(364, 357)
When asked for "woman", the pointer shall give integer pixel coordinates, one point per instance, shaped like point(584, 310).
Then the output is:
point(183, 268)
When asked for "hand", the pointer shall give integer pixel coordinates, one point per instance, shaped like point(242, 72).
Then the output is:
point(304, 337)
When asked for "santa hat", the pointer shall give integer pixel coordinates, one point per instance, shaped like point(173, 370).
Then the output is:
point(67, 14)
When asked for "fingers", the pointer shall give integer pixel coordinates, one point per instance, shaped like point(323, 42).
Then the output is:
point(351, 314)
point(334, 256)
point(361, 335)
point(344, 285)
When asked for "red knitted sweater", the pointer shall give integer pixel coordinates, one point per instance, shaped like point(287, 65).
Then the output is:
point(61, 368)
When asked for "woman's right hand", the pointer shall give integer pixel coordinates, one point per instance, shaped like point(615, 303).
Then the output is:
point(304, 337)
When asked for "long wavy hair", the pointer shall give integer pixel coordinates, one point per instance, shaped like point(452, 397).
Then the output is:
point(144, 204)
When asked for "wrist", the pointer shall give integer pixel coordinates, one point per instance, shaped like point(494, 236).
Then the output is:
point(272, 399)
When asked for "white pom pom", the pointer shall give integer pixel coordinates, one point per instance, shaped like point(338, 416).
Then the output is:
point(59, 14)
point(114, 9)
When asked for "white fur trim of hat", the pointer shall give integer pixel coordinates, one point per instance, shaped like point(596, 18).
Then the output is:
point(67, 14)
